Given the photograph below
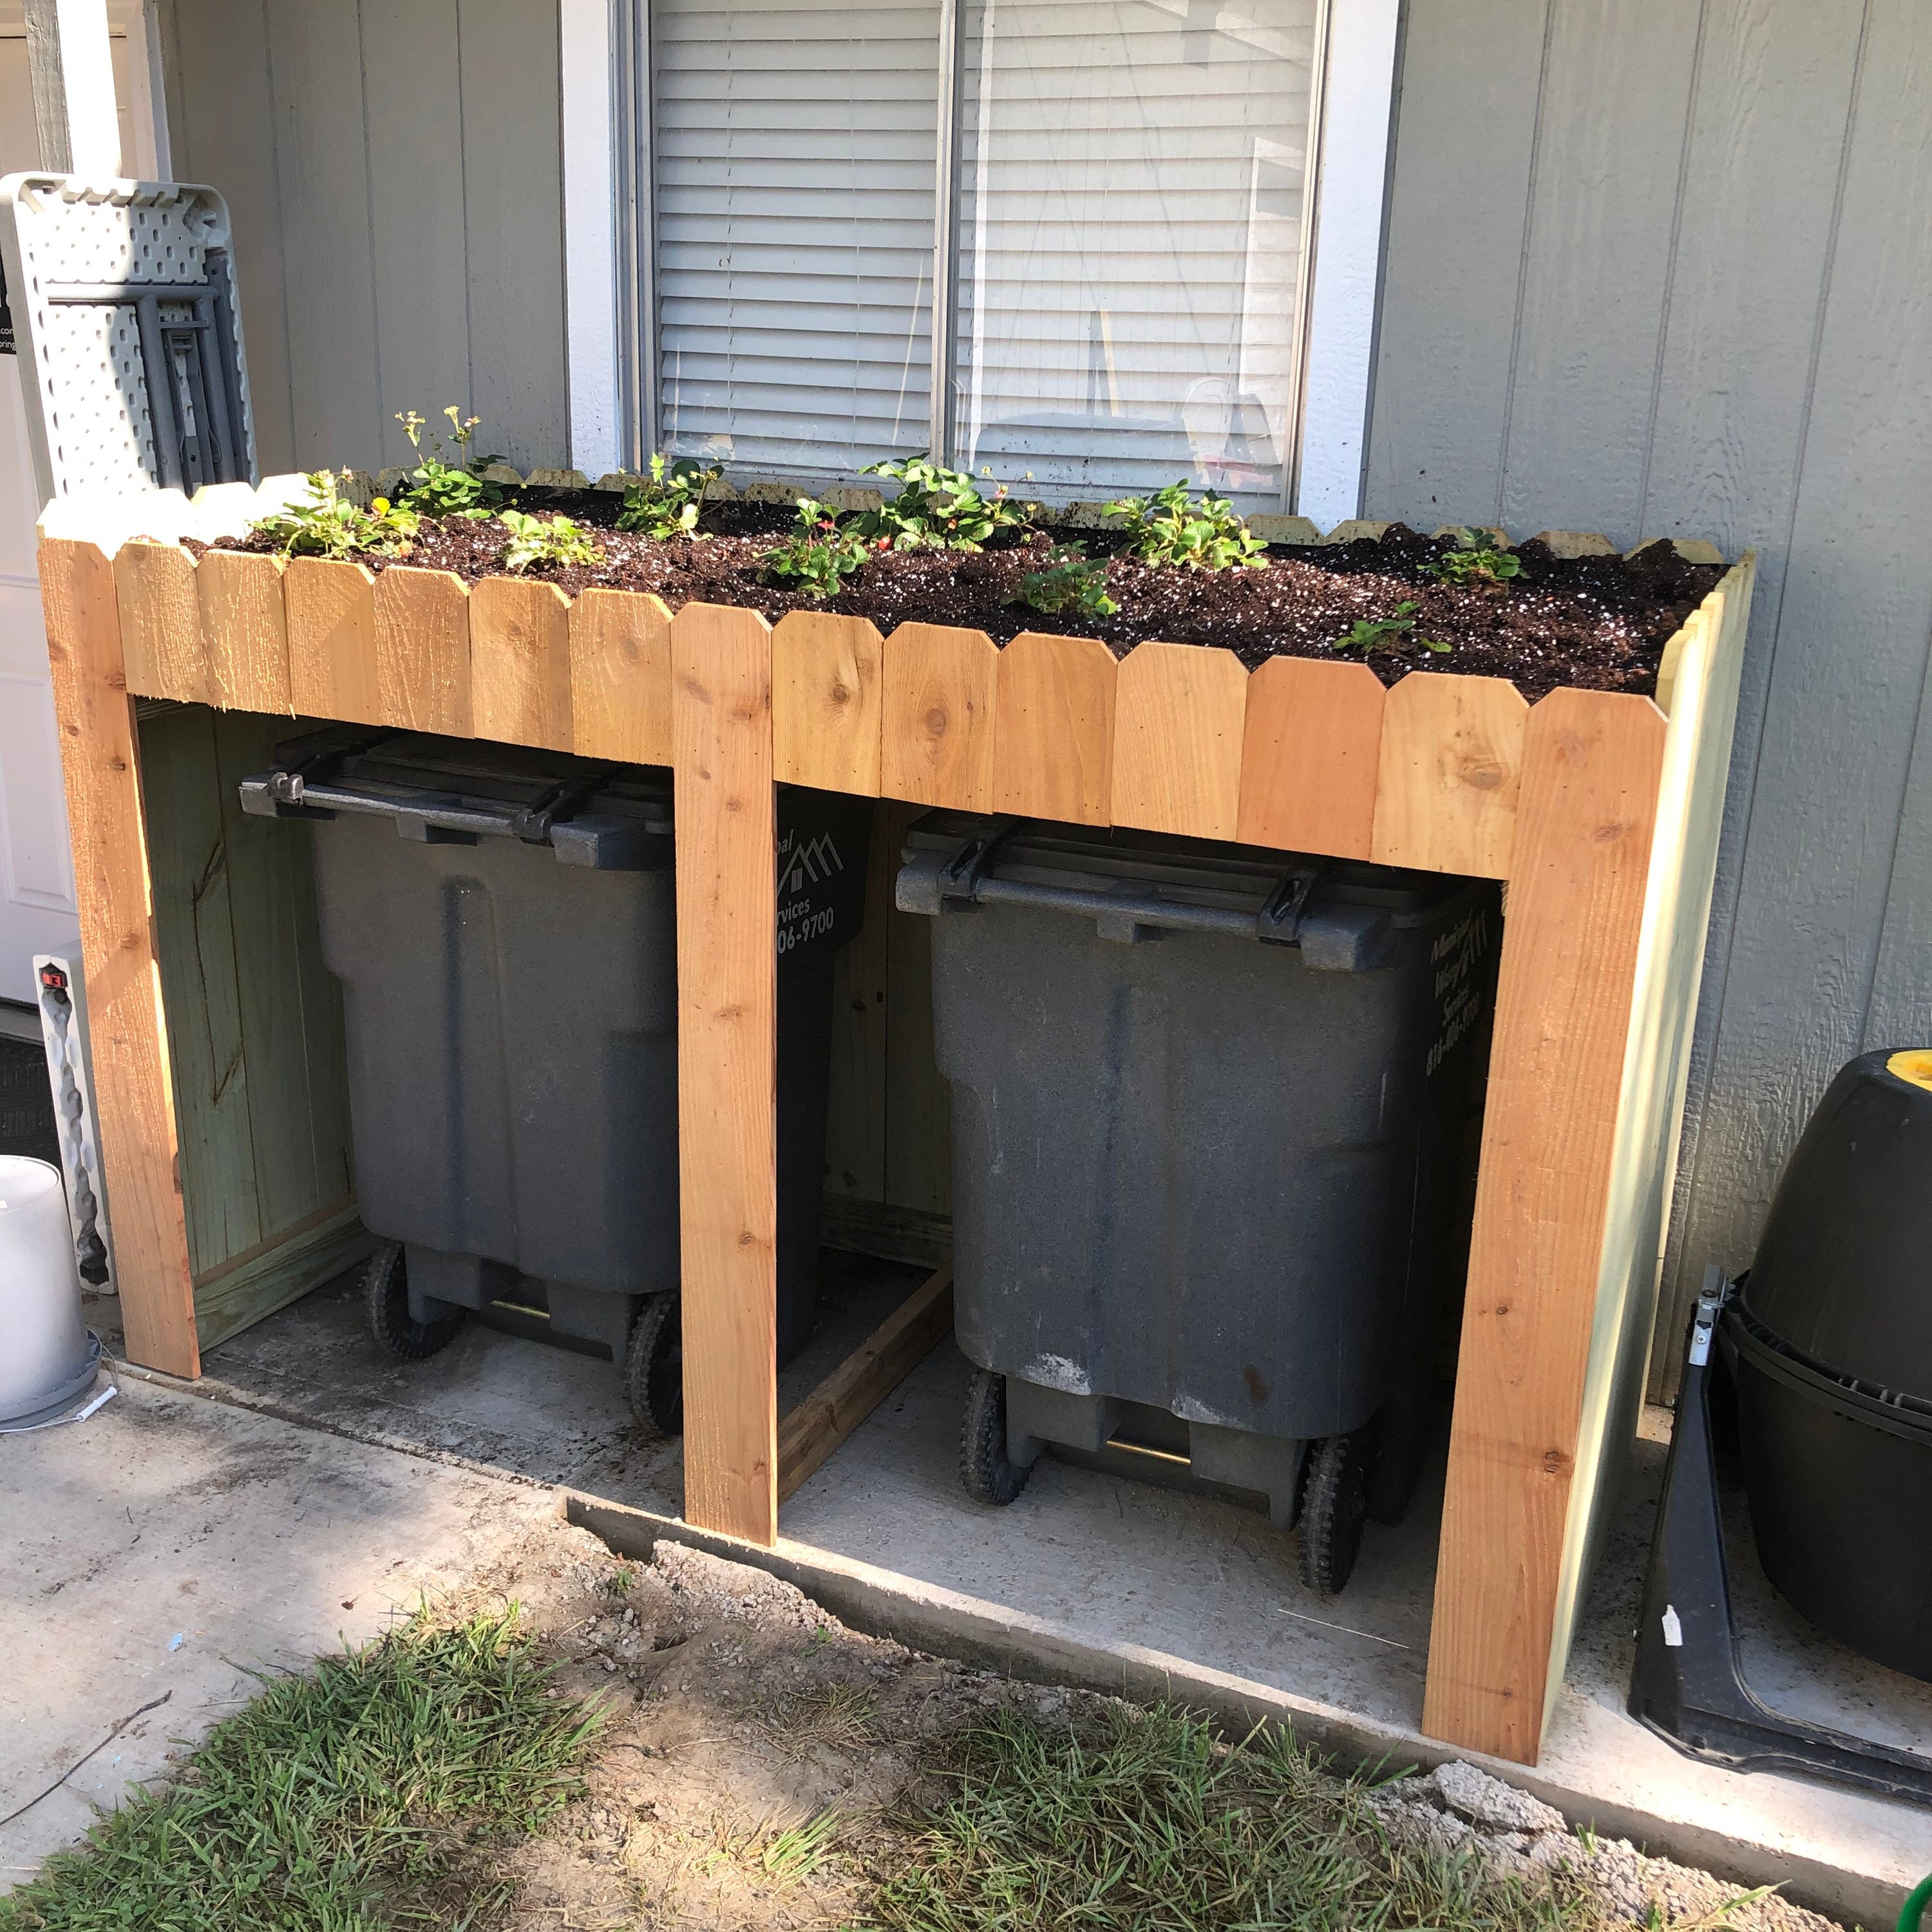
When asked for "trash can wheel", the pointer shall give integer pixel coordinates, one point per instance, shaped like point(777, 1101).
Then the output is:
point(654, 1368)
point(1334, 1507)
point(990, 1475)
point(386, 1295)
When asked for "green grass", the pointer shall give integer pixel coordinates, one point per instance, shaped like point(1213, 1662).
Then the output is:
point(1146, 1822)
point(379, 1791)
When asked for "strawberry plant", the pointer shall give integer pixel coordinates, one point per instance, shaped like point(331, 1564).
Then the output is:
point(1475, 562)
point(331, 525)
point(545, 540)
point(936, 509)
point(819, 555)
point(1068, 581)
point(666, 505)
point(1385, 633)
point(1169, 528)
point(459, 489)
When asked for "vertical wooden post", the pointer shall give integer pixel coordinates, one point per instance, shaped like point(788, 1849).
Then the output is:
point(727, 1065)
point(1592, 763)
point(133, 1089)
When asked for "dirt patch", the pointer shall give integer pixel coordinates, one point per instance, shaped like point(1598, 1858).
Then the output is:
point(764, 1766)
point(1600, 623)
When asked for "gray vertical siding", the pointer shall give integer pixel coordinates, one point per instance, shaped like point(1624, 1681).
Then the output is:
point(393, 170)
point(1659, 268)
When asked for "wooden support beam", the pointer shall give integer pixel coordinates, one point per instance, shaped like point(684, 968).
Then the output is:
point(727, 1065)
point(843, 1400)
point(132, 1087)
point(1592, 762)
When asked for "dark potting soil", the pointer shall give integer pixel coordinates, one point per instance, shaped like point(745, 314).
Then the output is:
point(1600, 623)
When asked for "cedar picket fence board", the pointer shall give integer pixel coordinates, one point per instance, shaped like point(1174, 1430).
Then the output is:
point(1600, 810)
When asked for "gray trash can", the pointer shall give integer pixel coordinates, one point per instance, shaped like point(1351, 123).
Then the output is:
point(503, 922)
point(1210, 1108)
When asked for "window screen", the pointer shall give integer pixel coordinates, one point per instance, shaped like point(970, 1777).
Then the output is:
point(795, 150)
point(1130, 235)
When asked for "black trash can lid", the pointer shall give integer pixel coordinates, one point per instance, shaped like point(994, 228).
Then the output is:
point(1241, 878)
point(1841, 1272)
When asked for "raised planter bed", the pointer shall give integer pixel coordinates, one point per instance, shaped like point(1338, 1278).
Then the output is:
point(1600, 808)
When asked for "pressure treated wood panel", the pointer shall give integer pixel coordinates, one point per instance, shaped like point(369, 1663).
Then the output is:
point(1179, 721)
point(1670, 959)
point(195, 955)
point(1054, 745)
point(726, 1065)
point(843, 1400)
point(290, 1007)
point(107, 829)
point(939, 715)
point(1451, 764)
point(251, 1287)
point(519, 662)
point(422, 650)
point(1592, 762)
point(620, 676)
point(826, 677)
point(1310, 754)
point(244, 631)
point(161, 622)
point(331, 609)
point(855, 1122)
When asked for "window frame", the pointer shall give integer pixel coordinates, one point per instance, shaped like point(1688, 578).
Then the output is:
point(608, 87)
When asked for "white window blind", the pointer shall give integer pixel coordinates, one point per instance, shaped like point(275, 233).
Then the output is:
point(1131, 199)
point(795, 149)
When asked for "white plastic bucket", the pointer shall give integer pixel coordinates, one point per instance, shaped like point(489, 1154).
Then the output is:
point(47, 1358)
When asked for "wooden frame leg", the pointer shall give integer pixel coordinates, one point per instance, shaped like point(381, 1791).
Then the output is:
point(726, 1065)
point(1579, 881)
point(133, 1091)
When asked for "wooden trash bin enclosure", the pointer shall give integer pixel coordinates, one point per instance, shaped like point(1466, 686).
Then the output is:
point(1600, 811)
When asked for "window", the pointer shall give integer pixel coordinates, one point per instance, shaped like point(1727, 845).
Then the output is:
point(1071, 241)
point(1132, 181)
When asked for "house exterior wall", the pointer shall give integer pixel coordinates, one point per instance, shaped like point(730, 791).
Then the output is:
point(1662, 269)
point(394, 174)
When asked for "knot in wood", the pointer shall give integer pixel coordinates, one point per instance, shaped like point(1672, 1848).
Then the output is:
point(936, 720)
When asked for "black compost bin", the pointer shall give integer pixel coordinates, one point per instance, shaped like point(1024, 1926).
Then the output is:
point(1829, 1345)
point(1209, 1112)
point(503, 922)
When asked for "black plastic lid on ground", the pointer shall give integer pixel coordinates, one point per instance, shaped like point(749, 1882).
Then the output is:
point(1843, 1274)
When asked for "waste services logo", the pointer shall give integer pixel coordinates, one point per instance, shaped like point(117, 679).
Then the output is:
point(800, 865)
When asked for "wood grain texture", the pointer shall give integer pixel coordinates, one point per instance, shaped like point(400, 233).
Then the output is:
point(1670, 960)
point(726, 1065)
point(1180, 711)
point(161, 623)
point(1310, 755)
point(1054, 745)
point(855, 1122)
point(331, 609)
point(827, 673)
point(938, 731)
point(133, 1090)
point(244, 631)
point(1592, 763)
point(1451, 764)
point(198, 970)
point(850, 1393)
point(620, 676)
point(422, 651)
point(519, 663)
